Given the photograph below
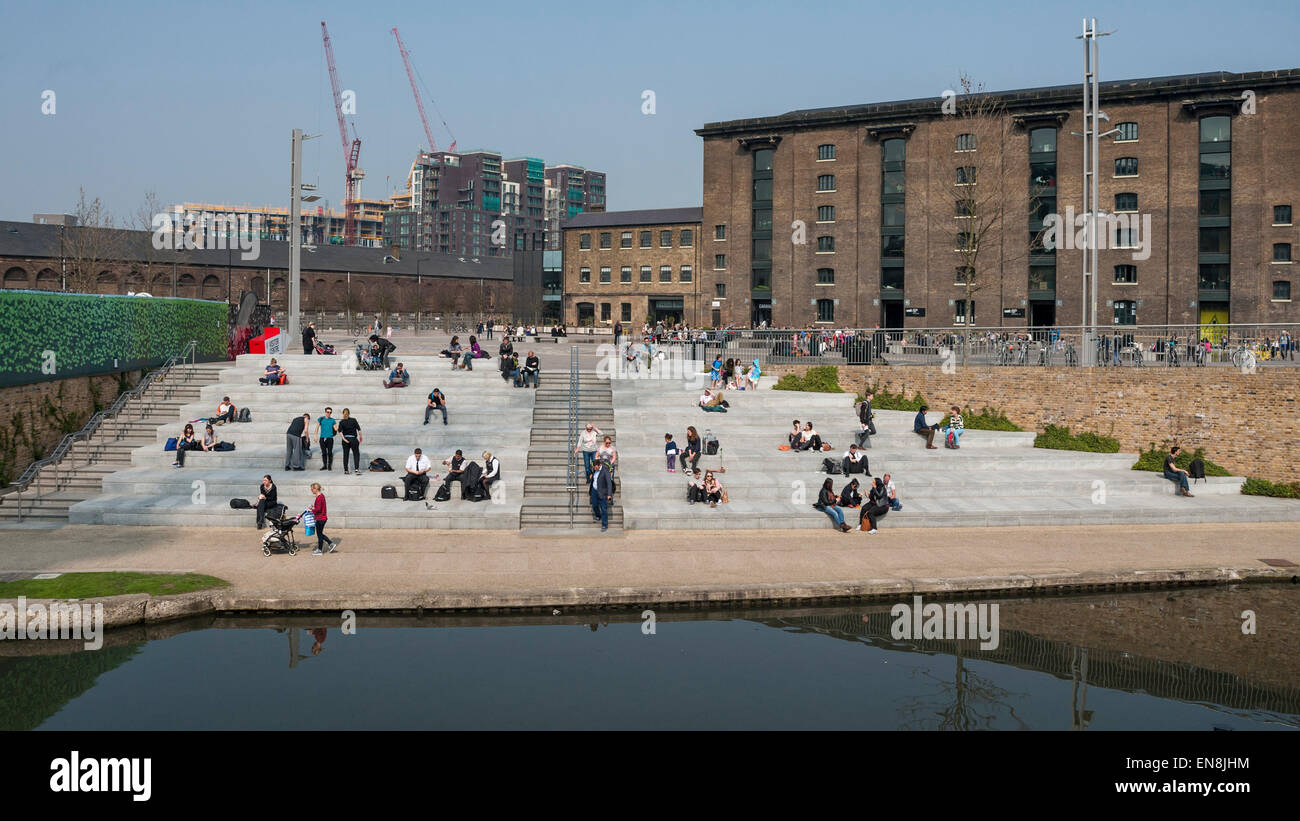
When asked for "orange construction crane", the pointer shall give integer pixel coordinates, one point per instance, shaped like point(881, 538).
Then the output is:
point(351, 152)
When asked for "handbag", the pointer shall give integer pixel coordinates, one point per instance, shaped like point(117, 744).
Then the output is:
point(171, 444)
point(308, 523)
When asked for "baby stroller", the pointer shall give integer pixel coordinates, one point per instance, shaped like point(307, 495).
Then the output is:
point(366, 360)
point(323, 349)
point(279, 538)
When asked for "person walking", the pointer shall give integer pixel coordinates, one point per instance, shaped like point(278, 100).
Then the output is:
point(867, 420)
point(319, 514)
point(350, 430)
point(325, 426)
point(268, 498)
point(588, 444)
point(293, 442)
point(602, 494)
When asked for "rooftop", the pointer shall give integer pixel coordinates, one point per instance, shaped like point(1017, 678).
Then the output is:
point(657, 216)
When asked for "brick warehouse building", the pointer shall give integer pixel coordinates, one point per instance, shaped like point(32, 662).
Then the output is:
point(1213, 166)
point(632, 266)
point(334, 278)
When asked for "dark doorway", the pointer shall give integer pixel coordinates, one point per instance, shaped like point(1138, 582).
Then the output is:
point(762, 312)
point(891, 313)
point(1042, 313)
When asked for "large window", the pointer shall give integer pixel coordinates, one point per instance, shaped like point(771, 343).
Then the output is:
point(1042, 277)
point(625, 240)
point(1042, 175)
point(1042, 141)
point(625, 312)
point(826, 213)
point(825, 152)
point(584, 275)
point(825, 182)
point(825, 276)
point(1126, 202)
point(604, 275)
point(762, 250)
point(891, 279)
point(760, 279)
point(1216, 203)
point(719, 261)
point(1126, 274)
point(892, 215)
point(645, 239)
point(1215, 277)
point(1282, 290)
point(894, 150)
point(762, 219)
point(1281, 252)
point(1216, 166)
point(965, 142)
point(966, 175)
point(645, 273)
point(1281, 215)
point(719, 232)
point(688, 238)
point(665, 273)
point(1126, 167)
point(891, 245)
point(892, 183)
point(606, 240)
point(1128, 132)
point(959, 311)
point(584, 242)
point(763, 159)
point(825, 310)
point(1214, 241)
point(720, 290)
point(687, 273)
point(665, 239)
point(1126, 312)
point(825, 244)
point(625, 273)
point(1216, 129)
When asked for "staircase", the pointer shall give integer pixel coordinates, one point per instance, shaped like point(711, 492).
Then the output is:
point(546, 499)
point(80, 474)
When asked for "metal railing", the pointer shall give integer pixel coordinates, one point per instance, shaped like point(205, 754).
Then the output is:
point(571, 480)
point(1239, 345)
point(87, 446)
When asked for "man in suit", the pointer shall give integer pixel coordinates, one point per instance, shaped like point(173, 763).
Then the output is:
point(602, 493)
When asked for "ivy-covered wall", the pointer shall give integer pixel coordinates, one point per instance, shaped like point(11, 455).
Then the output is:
point(46, 336)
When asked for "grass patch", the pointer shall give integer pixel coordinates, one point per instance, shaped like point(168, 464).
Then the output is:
point(986, 419)
point(1153, 459)
point(821, 379)
point(1060, 438)
point(1263, 487)
point(884, 400)
point(93, 585)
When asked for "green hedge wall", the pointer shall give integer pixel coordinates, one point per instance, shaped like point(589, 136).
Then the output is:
point(94, 334)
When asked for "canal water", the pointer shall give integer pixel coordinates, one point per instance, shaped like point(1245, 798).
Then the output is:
point(1153, 660)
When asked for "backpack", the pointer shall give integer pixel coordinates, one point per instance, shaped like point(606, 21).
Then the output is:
point(388, 492)
point(244, 415)
point(414, 493)
point(710, 443)
point(378, 465)
point(443, 493)
point(240, 504)
point(1196, 469)
point(171, 444)
point(831, 466)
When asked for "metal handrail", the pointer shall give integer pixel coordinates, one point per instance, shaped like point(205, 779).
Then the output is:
point(36, 471)
point(571, 481)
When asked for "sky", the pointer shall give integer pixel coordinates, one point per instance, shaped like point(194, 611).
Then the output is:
point(196, 102)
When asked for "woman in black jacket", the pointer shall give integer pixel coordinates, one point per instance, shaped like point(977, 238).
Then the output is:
point(877, 506)
point(506, 351)
point(690, 455)
point(850, 497)
point(828, 503)
point(350, 430)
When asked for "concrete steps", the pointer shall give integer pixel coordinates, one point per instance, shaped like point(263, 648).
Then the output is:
point(547, 500)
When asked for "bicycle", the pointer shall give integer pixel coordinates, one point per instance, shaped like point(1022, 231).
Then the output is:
point(1044, 355)
point(1171, 356)
point(1022, 353)
point(1243, 357)
point(1071, 359)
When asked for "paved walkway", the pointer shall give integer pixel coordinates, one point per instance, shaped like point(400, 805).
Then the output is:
point(404, 563)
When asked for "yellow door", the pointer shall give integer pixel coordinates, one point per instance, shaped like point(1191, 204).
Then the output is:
point(1213, 324)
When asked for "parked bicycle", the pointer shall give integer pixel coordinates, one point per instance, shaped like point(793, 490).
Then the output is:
point(1243, 357)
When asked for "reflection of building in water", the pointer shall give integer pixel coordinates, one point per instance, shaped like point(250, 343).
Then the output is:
point(1164, 644)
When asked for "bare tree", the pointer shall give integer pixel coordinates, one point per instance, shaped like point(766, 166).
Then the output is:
point(142, 220)
point(89, 245)
point(419, 299)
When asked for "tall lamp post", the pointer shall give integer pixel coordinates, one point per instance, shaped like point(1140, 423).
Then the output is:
point(1092, 117)
point(296, 198)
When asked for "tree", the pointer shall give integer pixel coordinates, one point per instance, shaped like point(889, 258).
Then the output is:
point(417, 302)
point(90, 244)
point(142, 220)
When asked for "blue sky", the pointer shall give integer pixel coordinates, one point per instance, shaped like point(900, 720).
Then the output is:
point(197, 101)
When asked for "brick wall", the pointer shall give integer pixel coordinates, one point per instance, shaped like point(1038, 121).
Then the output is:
point(1248, 423)
point(29, 433)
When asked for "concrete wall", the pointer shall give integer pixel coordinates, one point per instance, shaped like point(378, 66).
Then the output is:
point(29, 433)
point(1248, 423)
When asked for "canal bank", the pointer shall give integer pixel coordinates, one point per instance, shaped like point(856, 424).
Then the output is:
point(414, 571)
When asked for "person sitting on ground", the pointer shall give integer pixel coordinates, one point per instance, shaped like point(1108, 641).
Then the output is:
point(713, 402)
point(455, 469)
point(713, 490)
point(877, 505)
point(491, 472)
point(855, 461)
point(957, 426)
point(1172, 471)
point(184, 443)
point(209, 440)
point(828, 503)
point(922, 428)
point(399, 377)
point(795, 434)
point(417, 475)
point(808, 438)
point(695, 488)
point(532, 369)
point(384, 348)
point(850, 496)
point(225, 412)
point(891, 493)
point(436, 402)
point(273, 373)
point(268, 500)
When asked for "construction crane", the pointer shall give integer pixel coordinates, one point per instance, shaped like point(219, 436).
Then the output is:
point(351, 150)
point(410, 75)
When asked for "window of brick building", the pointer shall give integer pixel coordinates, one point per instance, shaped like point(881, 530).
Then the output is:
point(625, 273)
point(665, 239)
point(1281, 290)
point(1126, 202)
point(645, 239)
point(720, 290)
point(965, 142)
point(606, 240)
point(825, 310)
point(1126, 167)
point(826, 245)
point(604, 275)
point(1281, 215)
point(584, 275)
point(825, 276)
point(719, 232)
point(1128, 133)
point(1126, 274)
point(826, 213)
point(1281, 252)
point(719, 261)
point(645, 273)
point(665, 273)
point(825, 152)
point(687, 273)
point(584, 242)
point(625, 240)
point(688, 238)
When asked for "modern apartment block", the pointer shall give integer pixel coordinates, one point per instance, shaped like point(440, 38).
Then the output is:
point(856, 216)
point(320, 225)
point(633, 266)
point(570, 190)
point(455, 199)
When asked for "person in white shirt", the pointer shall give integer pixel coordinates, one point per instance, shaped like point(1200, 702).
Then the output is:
point(892, 493)
point(417, 474)
point(588, 443)
point(491, 471)
point(855, 461)
point(225, 412)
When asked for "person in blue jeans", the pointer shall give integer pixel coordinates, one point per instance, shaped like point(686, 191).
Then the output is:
point(602, 493)
point(828, 503)
point(436, 402)
point(1176, 474)
point(325, 434)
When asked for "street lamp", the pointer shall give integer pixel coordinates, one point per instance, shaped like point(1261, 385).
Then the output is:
point(296, 198)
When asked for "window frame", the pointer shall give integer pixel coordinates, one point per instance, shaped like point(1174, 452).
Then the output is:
point(962, 173)
point(827, 247)
point(720, 233)
point(825, 209)
point(606, 240)
point(1125, 160)
point(644, 239)
point(1132, 210)
point(668, 235)
point(1123, 139)
point(821, 152)
point(825, 310)
point(822, 179)
point(1290, 215)
point(686, 238)
point(645, 274)
point(963, 139)
point(1126, 269)
point(625, 274)
point(686, 273)
point(665, 269)
point(606, 274)
point(719, 262)
point(1284, 247)
point(584, 276)
point(584, 242)
point(1275, 297)
point(624, 240)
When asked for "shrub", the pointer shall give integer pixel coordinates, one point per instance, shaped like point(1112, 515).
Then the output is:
point(1060, 438)
point(822, 379)
point(986, 419)
point(1263, 487)
point(1153, 459)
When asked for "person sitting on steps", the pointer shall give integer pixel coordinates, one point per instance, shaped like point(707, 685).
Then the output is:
point(922, 428)
point(1176, 474)
point(957, 426)
point(828, 503)
point(437, 402)
point(794, 435)
point(272, 374)
point(399, 377)
point(417, 475)
point(850, 496)
point(808, 438)
point(855, 461)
